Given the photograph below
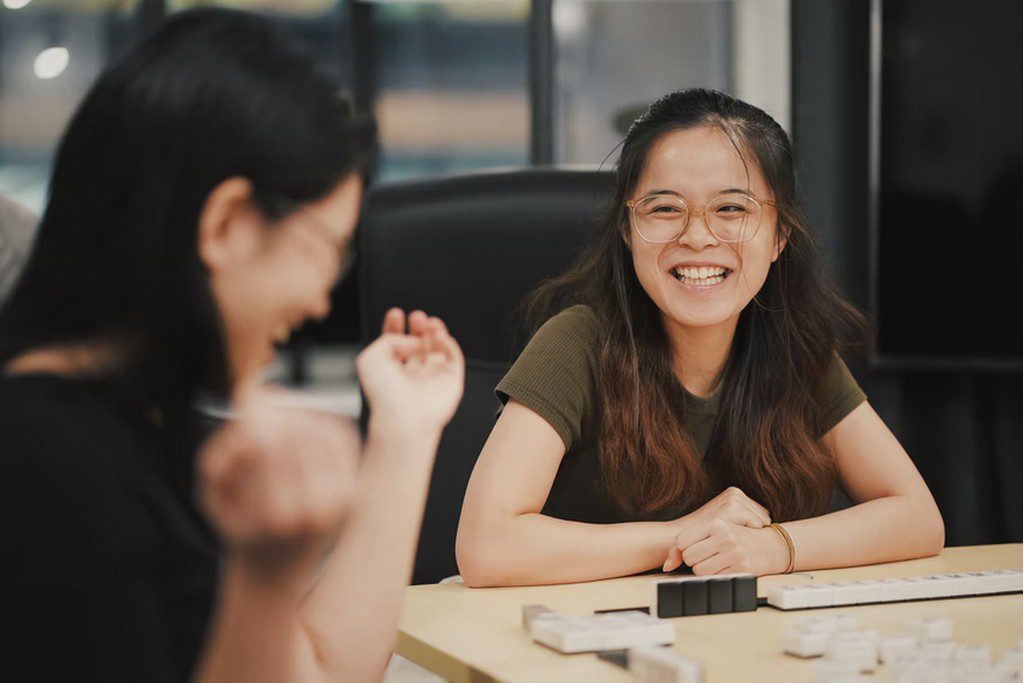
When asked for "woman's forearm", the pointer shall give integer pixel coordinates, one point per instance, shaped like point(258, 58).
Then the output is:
point(352, 612)
point(882, 530)
point(531, 549)
point(255, 634)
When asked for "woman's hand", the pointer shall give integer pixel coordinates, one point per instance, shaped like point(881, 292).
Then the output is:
point(415, 380)
point(276, 484)
point(734, 506)
point(731, 506)
point(722, 547)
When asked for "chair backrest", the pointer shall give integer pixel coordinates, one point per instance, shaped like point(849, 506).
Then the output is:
point(468, 249)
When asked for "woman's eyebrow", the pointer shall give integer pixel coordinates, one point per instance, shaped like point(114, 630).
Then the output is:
point(731, 190)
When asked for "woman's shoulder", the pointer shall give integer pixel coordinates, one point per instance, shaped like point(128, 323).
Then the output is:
point(838, 394)
point(52, 429)
point(555, 374)
point(577, 323)
point(73, 467)
point(569, 338)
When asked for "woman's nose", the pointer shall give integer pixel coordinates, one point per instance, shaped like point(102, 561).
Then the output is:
point(697, 233)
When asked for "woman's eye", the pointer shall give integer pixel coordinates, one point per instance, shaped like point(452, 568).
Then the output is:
point(666, 209)
point(731, 210)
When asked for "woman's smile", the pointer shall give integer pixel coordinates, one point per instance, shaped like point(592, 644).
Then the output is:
point(700, 278)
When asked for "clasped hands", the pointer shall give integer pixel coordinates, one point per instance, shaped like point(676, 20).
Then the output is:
point(728, 534)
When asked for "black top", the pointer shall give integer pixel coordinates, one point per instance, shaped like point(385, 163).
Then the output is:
point(110, 571)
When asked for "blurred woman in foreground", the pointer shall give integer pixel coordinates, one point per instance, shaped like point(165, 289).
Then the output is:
point(202, 205)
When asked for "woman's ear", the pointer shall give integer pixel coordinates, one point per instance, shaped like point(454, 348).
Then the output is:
point(624, 233)
point(781, 234)
point(229, 224)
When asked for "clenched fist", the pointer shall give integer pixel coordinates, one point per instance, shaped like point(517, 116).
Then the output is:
point(276, 483)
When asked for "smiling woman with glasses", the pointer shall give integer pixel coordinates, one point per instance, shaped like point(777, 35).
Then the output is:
point(682, 400)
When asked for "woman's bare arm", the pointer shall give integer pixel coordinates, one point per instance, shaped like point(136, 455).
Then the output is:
point(504, 540)
point(895, 517)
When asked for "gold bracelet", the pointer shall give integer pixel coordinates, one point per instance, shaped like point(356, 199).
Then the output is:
point(789, 545)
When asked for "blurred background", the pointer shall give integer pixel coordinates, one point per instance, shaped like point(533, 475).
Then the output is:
point(906, 117)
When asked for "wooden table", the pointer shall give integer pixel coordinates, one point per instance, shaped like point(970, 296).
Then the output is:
point(466, 634)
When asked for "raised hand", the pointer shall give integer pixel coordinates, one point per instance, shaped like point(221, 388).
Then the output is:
point(276, 484)
point(412, 380)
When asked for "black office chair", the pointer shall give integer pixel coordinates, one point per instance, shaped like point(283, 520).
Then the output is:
point(468, 249)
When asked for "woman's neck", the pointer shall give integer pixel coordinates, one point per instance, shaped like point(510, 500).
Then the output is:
point(700, 353)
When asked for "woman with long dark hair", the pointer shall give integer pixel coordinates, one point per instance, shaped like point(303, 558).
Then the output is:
point(686, 403)
point(202, 205)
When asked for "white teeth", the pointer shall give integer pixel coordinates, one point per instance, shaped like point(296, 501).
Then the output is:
point(703, 276)
point(700, 273)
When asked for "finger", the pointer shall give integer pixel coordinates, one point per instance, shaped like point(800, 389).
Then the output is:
point(446, 344)
point(755, 507)
point(745, 517)
point(760, 511)
point(699, 551)
point(439, 323)
point(716, 564)
point(391, 345)
point(674, 560)
point(394, 322)
point(403, 347)
point(766, 518)
point(419, 323)
point(437, 343)
point(693, 533)
point(734, 496)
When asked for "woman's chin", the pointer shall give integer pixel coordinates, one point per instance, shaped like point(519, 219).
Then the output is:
point(691, 319)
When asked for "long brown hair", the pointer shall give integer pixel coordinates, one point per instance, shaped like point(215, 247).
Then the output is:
point(765, 437)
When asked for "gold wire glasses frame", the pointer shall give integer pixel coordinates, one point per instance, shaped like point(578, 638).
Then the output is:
point(662, 218)
point(331, 235)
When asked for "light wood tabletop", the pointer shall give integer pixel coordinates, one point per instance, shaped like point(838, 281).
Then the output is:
point(476, 634)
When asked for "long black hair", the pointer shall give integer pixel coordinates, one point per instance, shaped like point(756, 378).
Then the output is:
point(213, 94)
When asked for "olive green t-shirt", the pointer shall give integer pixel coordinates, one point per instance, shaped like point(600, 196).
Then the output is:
point(556, 377)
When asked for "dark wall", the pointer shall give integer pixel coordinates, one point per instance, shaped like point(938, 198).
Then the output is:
point(962, 427)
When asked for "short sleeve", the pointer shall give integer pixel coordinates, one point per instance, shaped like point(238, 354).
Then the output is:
point(555, 374)
point(840, 394)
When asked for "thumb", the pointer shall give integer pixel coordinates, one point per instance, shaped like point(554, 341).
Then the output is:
point(674, 560)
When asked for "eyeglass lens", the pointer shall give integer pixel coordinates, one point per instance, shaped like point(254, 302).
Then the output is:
point(731, 218)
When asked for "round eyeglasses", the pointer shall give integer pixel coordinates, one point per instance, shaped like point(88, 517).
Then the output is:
point(663, 218)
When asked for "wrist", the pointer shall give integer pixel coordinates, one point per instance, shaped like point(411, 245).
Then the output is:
point(775, 551)
point(674, 526)
point(396, 429)
point(274, 581)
